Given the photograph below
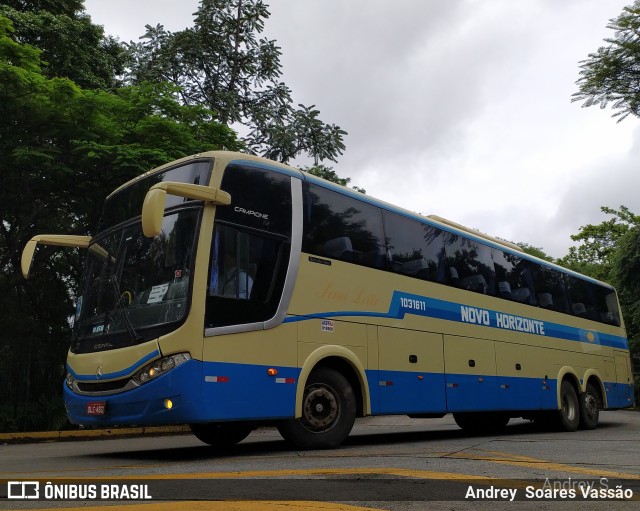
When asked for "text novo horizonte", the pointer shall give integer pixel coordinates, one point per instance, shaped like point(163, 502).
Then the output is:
point(478, 316)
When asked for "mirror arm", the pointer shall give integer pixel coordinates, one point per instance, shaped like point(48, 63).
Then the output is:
point(154, 202)
point(59, 240)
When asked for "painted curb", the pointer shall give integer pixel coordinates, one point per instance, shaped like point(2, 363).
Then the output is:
point(89, 434)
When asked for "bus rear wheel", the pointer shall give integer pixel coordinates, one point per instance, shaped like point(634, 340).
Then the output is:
point(590, 408)
point(569, 413)
point(328, 412)
point(222, 436)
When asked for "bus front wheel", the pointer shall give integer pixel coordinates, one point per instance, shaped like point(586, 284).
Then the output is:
point(328, 412)
point(221, 436)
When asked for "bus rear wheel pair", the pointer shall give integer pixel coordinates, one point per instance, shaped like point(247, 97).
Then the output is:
point(576, 410)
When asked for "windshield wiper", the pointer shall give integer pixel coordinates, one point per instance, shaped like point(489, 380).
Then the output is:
point(123, 310)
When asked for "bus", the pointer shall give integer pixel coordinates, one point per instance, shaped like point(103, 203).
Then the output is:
point(226, 292)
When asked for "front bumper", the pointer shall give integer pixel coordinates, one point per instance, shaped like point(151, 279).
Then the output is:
point(145, 405)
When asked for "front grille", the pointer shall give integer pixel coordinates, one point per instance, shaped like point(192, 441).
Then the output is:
point(102, 386)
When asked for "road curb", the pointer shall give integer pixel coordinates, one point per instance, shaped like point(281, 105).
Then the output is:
point(89, 434)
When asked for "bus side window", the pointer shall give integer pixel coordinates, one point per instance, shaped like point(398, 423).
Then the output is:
point(470, 264)
point(246, 276)
point(340, 227)
point(232, 262)
point(584, 298)
point(608, 307)
point(414, 248)
point(513, 276)
point(550, 289)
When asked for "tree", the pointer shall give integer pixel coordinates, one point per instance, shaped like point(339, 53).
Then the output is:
point(72, 46)
point(62, 149)
point(535, 251)
point(611, 75)
point(329, 174)
point(610, 251)
point(223, 63)
point(626, 272)
point(599, 243)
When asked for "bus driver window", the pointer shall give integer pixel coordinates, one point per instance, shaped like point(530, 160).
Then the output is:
point(230, 274)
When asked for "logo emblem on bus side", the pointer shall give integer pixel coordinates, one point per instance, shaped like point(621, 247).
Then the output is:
point(99, 372)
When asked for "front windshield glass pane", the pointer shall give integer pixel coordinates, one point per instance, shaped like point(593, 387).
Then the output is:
point(133, 283)
point(127, 202)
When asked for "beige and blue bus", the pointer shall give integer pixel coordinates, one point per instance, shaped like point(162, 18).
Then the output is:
point(226, 291)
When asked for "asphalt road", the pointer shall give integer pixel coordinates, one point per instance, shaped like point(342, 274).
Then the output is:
point(391, 463)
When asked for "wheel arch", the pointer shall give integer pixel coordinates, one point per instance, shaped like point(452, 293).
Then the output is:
point(592, 376)
point(569, 374)
point(344, 361)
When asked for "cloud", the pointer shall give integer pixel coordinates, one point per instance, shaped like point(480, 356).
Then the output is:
point(611, 182)
point(460, 108)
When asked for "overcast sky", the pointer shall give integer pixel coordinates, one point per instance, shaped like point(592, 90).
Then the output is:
point(460, 108)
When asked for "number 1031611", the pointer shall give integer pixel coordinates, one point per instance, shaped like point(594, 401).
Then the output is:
point(410, 303)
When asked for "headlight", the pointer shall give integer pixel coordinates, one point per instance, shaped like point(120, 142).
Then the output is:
point(159, 367)
point(70, 381)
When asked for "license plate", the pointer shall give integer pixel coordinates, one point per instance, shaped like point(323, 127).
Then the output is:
point(96, 407)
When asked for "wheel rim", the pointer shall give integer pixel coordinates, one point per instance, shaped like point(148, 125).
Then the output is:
point(591, 406)
point(320, 409)
point(569, 408)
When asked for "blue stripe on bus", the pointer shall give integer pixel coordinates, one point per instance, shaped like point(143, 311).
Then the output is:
point(395, 392)
point(219, 391)
point(118, 374)
point(406, 303)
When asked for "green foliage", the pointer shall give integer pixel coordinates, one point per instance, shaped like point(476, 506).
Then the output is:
point(223, 63)
point(72, 47)
point(329, 174)
point(66, 7)
point(62, 150)
point(599, 244)
point(535, 251)
point(611, 74)
point(626, 273)
point(610, 251)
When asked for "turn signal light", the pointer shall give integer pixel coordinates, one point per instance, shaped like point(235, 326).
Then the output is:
point(272, 371)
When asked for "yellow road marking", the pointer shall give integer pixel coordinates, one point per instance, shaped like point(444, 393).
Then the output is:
point(399, 472)
point(503, 458)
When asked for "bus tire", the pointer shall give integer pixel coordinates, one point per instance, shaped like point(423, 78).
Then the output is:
point(590, 408)
point(223, 435)
point(569, 413)
point(481, 422)
point(328, 412)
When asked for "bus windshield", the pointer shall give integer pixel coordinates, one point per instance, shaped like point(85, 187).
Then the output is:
point(133, 286)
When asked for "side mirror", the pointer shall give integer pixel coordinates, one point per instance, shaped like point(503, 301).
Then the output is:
point(154, 201)
point(59, 240)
